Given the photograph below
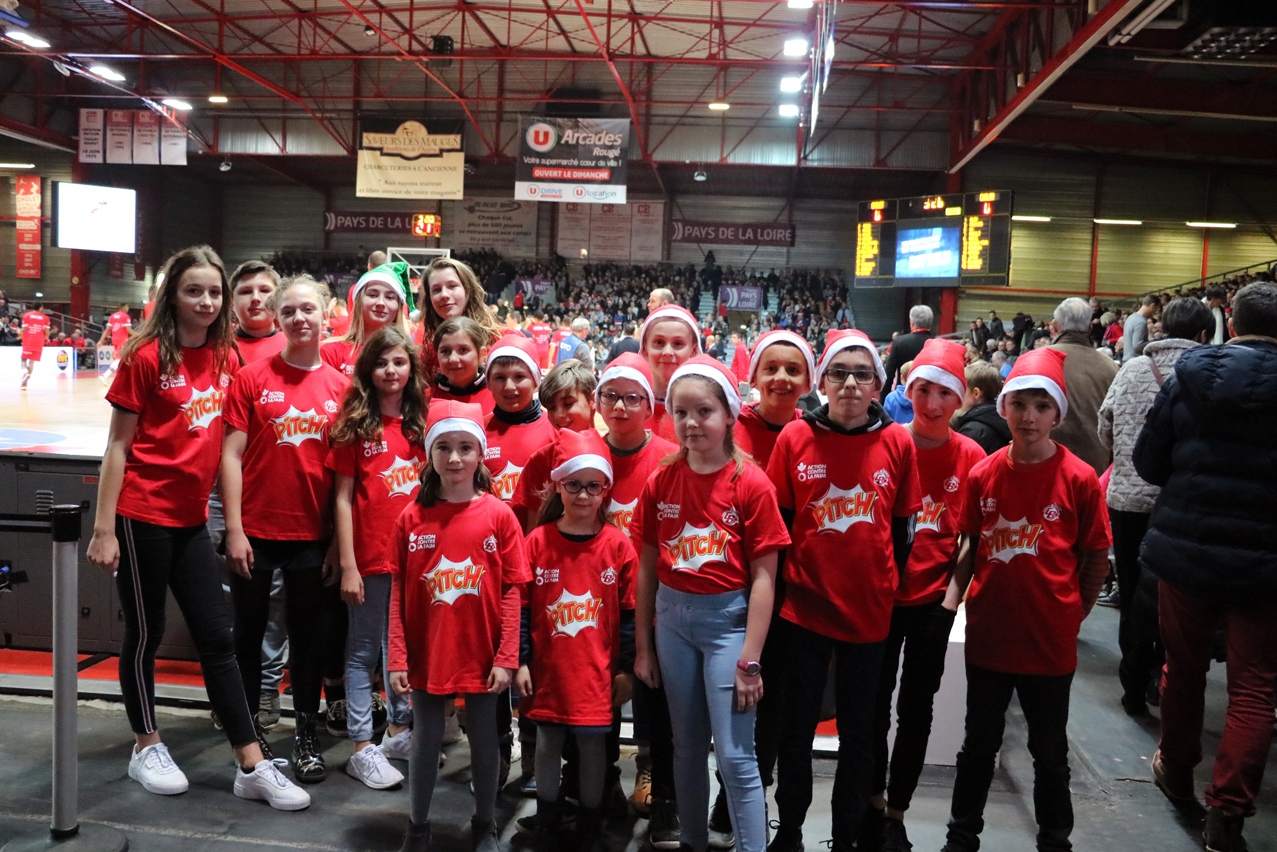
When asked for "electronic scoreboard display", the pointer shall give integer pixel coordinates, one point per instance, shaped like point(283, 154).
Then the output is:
point(953, 240)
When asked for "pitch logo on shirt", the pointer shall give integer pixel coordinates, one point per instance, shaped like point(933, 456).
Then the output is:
point(296, 426)
point(810, 472)
point(622, 513)
point(449, 581)
point(696, 547)
point(1008, 539)
point(929, 516)
point(839, 508)
point(420, 542)
point(401, 478)
point(570, 614)
point(505, 482)
point(203, 408)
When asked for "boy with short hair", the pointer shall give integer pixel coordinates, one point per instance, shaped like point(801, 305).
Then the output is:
point(1036, 513)
point(567, 396)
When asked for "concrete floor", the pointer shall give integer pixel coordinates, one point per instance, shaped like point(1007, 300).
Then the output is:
point(1116, 805)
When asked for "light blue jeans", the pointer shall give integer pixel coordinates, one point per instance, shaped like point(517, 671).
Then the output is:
point(365, 644)
point(698, 641)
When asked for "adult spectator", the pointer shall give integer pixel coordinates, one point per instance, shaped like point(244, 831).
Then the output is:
point(1135, 332)
point(979, 333)
point(376, 259)
point(996, 329)
point(715, 348)
point(1000, 362)
point(1215, 298)
point(1097, 323)
point(1186, 323)
point(627, 342)
point(1209, 443)
point(574, 341)
point(979, 419)
point(1021, 326)
point(659, 298)
point(907, 346)
point(1087, 376)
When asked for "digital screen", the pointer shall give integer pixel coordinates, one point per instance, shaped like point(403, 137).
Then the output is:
point(928, 252)
point(94, 218)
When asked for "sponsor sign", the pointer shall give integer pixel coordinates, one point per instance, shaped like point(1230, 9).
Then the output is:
point(612, 231)
point(410, 159)
point(731, 234)
point(92, 130)
point(507, 227)
point(27, 207)
point(741, 298)
point(367, 222)
point(542, 287)
point(580, 160)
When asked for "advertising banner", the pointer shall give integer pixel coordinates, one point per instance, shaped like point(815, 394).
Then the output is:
point(172, 144)
point(507, 227)
point(732, 234)
point(612, 231)
point(92, 128)
point(367, 222)
point(579, 160)
point(28, 207)
point(408, 159)
point(741, 298)
point(542, 287)
point(119, 136)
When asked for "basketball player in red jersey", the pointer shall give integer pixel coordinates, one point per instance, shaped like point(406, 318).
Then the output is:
point(35, 327)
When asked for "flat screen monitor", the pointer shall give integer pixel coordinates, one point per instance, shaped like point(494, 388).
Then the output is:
point(933, 251)
point(94, 218)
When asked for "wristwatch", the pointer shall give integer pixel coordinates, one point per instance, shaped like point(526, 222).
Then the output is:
point(751, 668)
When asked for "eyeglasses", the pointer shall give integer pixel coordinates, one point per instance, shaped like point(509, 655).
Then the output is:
point(837, 376)
point(575, 486)
point(630, 400)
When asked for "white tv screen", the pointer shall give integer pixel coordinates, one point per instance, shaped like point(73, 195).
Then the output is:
point(94, 218)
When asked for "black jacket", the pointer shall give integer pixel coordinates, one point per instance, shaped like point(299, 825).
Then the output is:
point(1210, 442)
point(903, 350)
point(985, 426)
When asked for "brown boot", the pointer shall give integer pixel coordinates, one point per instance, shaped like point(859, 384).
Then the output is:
point(1175, 782)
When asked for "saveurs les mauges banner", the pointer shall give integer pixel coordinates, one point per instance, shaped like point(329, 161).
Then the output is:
point(410, 159)
point(580, 160)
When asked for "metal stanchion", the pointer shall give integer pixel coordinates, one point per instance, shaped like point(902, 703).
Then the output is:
point(65, 832)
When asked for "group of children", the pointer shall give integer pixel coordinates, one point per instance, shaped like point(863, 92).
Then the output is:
point(707, 556)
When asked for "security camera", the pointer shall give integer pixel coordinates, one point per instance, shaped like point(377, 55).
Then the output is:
point(225, 166)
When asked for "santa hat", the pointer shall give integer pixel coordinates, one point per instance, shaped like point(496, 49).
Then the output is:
point(520, 347)
point(1042, 369)
point(780, 335)
point(712, 369)
point(839, 340)
point(393, 275)
point(577, 451)
point(667, 312)
point(450, 415)
point(628, 366)
point(942, 362)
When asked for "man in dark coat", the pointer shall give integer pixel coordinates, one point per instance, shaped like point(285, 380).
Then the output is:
point(907, 346)
point(1209, 443)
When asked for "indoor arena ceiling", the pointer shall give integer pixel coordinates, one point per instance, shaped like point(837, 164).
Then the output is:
point(912, 84)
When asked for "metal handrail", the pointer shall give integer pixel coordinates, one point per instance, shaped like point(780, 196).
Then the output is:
point(1200, 282)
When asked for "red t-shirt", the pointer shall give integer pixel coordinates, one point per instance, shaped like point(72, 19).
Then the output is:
point(535, 478)
point(1024, 605)
point(482, 397)
point(708, 526)
point(556, 338)
point(148, 308)
point(540, 332)
point(340, 324)
point(509, 448)
point(120, 323)
point(285, 411)
point(662, 424)
point(340, 355)
point(177, 445)
point(450, 567)
point(259, 348)
point(942, 476)
point(35, 328)
point(755, 436)
point(630, 472)
point(386, 475)
point(841, 574)
point(575, 600)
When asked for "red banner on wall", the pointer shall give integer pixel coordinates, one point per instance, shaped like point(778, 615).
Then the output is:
point(27, 204)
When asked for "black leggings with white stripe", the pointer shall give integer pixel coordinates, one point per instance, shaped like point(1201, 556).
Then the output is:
point(154, 559)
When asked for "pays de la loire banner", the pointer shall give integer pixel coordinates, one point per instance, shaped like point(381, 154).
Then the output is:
point(409, 159)
point(732, 234)
point(577, 160)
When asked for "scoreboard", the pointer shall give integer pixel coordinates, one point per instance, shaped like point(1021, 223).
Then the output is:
point(953, 240)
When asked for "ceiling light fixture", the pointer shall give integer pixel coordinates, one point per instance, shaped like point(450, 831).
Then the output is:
point(1211, 224)
point(225, 165)
point(369, 31)
point(29, 39)
point(1118, 221)
point(796, 47)
point(800, 4)
point(1030, 218)
point(17, 165)
point(791, 85)
point(700, 176)
point(106, 73)
point(720, 106)
point(789, 110)
point(175, 103)
point(218, 99)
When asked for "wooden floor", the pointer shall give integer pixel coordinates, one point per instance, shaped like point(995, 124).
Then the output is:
point(56, 415)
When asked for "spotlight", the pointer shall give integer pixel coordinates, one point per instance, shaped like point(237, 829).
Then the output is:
point(218, 99)
point(441, 45)
point(700, 176)
point(106, 73)
point(176, 103)
point(796, 47)
point(369, 31)
point(225, 166)
point(791, 85)
point(61, 69)
point(720, 106)
point(789, 110)
point(800, 4)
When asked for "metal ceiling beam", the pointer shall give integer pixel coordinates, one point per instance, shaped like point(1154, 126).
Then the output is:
point(35, 135)
point(605, 52)
point(1137, 138)
point(1151, 94)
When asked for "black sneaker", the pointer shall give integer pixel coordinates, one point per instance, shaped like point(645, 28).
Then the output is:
point(335, 719)
point(894, 837)
point(786, 841)
point(663, 829)
point(268, 710)
point(267, 754)
point(721, 835)
point(308, 759)
point(1112, 596)
point(871, 825)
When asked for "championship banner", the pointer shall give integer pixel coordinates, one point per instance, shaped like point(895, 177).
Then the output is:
point(507, 227)
point(28, 207)
point(172, 144)
point(146, 138)
point(92, 129)
point(407, 159)
point(119, 136)
point(611, 231)
point(741, 298)
point(731, 234)
point(572, 159)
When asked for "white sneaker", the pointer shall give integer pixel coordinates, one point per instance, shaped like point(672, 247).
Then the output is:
point(267, 784)
point(370, 766)
point(397, 747)
point(154, 769)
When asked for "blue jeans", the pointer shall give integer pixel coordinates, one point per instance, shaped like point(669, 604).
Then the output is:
point(698, 641)
point(365, 644)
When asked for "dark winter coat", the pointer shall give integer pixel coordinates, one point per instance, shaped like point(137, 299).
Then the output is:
point(985, 426)
point(1210, 442)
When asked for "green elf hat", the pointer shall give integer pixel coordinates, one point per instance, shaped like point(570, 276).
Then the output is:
point(391, 274)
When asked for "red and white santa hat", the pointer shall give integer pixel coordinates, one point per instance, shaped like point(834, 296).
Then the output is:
point(712, 369)
point(666, 312)
point(780, 335)
point(450, 415)
point(632, 366)
point(839, 340)
point(942, 362)
point(577, 451)
point(1038, 368)
point(520, 347)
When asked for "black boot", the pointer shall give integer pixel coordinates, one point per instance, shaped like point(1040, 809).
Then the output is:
point(308, 758)
point(1223, 832)
point(549, 823)
point(267, 754)
point(483, 836)
point(589, 829)
point(417, 839)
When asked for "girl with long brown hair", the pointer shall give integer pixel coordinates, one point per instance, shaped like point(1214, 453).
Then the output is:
point(378, 299)
point(453, 290)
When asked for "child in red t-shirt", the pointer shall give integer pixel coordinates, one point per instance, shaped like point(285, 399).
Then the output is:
point(579, 632)
point(518, 426)
point(376, 300)
point(256, 334)
point(781, 368)
point(460, 347)
point(457, 566)
point(378, 450)
point(922, 618)
point(1037, 515)
point(160, 462)
point(669, 337)
point(452, 291)
point(567, 397)
point(847, 475)
point(710, 532)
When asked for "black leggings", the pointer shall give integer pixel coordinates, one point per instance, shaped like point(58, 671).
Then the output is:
point(153, 560)
point(306, 612)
